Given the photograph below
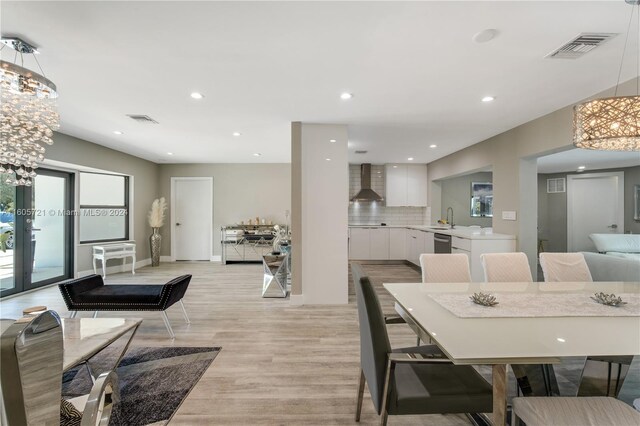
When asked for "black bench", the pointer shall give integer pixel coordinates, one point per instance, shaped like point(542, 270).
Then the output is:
point(91, 294)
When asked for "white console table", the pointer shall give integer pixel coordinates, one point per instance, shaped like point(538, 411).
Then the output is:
point(114, 251)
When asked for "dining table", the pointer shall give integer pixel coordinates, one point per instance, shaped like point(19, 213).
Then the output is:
point(532, 323)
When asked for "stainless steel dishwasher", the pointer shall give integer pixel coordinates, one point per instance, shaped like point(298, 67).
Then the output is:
point(442, 243)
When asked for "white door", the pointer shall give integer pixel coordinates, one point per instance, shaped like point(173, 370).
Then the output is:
point(595, 205)
point(192, 216)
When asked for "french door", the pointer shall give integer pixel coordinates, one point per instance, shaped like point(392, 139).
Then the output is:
point(36, 231)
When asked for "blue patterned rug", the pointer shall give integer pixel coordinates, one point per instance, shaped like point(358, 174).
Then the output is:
point(153, 382)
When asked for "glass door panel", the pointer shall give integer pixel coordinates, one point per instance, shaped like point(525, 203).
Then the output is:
point(7, 239)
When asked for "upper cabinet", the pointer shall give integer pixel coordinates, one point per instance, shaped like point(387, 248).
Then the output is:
point(406, 185)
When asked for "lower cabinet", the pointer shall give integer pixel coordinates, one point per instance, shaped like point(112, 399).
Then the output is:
point(369, 243)
point(397, 243)
point(475, 248)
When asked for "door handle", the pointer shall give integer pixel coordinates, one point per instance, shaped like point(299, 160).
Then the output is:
point(614, 226)
point(178, 224)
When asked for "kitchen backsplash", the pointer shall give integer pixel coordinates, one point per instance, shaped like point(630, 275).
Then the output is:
point(376, 212)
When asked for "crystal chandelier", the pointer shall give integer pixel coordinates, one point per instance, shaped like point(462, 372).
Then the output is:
point(28, 116)
point(610, 124)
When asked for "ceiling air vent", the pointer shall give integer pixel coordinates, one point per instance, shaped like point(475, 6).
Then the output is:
point(581, 45)
point(361, 152)
point(555, 186)
point(145, 119)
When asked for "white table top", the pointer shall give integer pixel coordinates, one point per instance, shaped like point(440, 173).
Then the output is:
point(520, 340)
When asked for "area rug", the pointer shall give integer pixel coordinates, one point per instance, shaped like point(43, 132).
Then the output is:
point(153, 382)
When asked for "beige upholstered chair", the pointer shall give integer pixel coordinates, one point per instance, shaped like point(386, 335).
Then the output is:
point(567, 267)
point(506, 267)
point(445, 268)
point(572, 411)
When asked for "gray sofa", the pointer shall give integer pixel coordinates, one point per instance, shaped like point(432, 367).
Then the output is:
point(604, 267)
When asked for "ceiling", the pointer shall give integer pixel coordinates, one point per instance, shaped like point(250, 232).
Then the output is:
point(416, 75)
point(569, 161)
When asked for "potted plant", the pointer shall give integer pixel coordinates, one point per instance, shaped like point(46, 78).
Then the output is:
point(156, 220)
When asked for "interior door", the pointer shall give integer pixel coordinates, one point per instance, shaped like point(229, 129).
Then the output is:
point(595, 205)
point(193, 217)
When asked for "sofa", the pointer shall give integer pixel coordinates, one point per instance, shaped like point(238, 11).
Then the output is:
point(604, 267)
point(620, 245)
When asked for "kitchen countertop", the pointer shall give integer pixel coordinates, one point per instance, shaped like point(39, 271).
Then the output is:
point(461, 231)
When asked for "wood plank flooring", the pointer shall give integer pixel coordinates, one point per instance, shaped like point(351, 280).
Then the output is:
point(279, 365)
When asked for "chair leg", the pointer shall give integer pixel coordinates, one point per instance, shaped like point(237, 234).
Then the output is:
point(95, 314)
point(184, 312)
point(360, 395)
point(386, 394)
point(73, 314)
point(418, 341)
point(168, 324)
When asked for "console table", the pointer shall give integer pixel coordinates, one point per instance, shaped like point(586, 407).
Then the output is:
point(114, 251)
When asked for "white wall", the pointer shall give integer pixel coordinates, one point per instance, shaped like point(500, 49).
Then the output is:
point(320, 199)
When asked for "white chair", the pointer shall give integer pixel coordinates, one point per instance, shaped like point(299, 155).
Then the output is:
point(565, 267)
point(572, 411)
point(506, 267)
point(445, 268)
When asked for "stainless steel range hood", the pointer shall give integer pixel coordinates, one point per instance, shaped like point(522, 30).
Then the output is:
point(366, 193)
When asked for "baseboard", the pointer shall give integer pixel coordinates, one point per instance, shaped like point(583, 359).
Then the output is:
point(296, 299)
point(216, 259)
point(114, 269)
point(167, 259)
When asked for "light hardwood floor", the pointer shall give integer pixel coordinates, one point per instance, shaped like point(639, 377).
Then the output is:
point(279, 365)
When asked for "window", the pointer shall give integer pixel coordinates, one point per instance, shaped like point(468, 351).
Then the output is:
point(104, 208)
point(481, 199)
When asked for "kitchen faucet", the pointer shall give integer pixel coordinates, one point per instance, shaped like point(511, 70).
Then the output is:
point(450, 208)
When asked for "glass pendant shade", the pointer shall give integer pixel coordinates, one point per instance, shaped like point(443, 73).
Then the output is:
point(28, 117)
point(611, 124)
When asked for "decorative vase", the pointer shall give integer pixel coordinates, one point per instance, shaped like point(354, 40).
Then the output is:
point(155, 241)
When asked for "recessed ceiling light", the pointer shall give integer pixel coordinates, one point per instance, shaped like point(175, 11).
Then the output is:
point(488, 99)
point(169, 153)
point(196, 95)
point(118, 132)
point(561, 340)
point(395, 167)
point(582, 167)
point(237, 134)
point(485, 35)
point(345, 96)
point(328, 159)
point(410, 158)
point(333, 140)
point(433, 145)
point(257, 154)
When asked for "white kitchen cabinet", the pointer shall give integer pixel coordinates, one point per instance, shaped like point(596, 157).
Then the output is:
point(359, 243)
point(397, 243)
point(412, 246)
point(417, 185)
point(406, 185)
point(379, 243)
point(422, 237)
point(429, 243)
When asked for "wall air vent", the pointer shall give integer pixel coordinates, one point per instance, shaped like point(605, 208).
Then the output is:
point(145, 119)
point(557, 185)
point(581, 45)
point(361, 152)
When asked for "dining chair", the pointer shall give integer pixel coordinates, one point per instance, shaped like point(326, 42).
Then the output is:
point(506, 267)
point(410, 380)
point(31, 367)
point(601, 375)
point(572, 411)
point(532, 379)
point(445, 268)
point(564, 267)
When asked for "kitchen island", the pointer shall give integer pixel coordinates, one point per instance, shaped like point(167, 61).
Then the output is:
point(407, 242)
